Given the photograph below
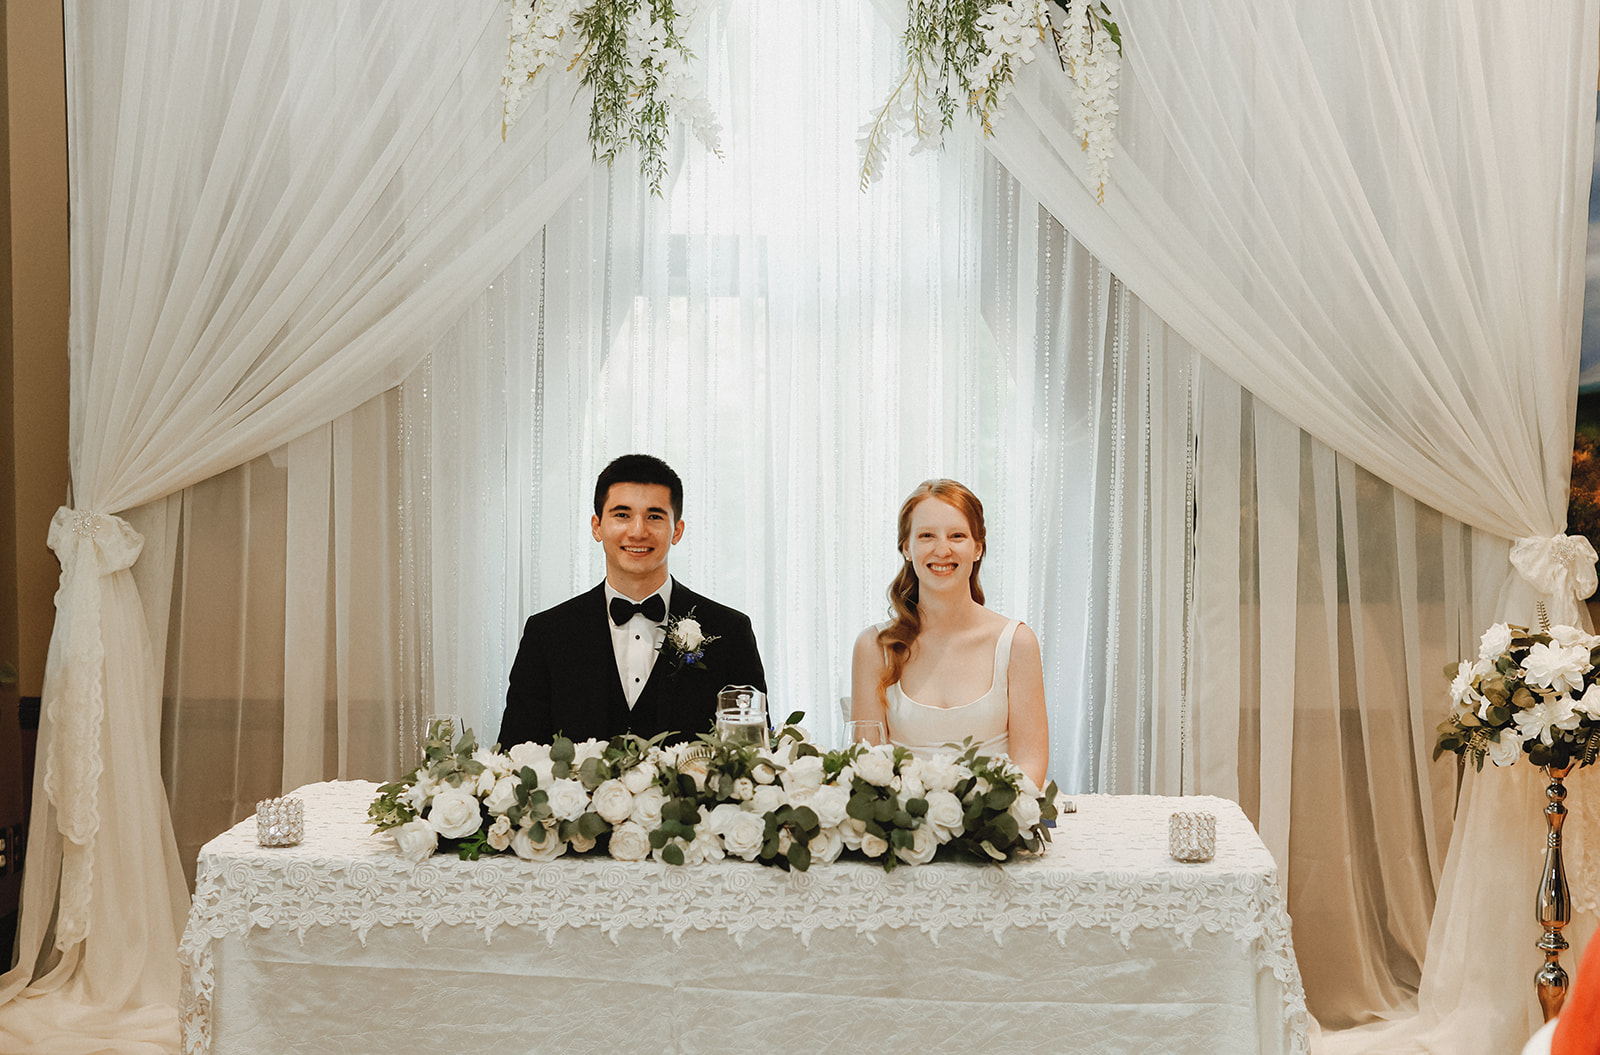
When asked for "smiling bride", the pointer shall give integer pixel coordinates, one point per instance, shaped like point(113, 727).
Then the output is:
point(945, 667)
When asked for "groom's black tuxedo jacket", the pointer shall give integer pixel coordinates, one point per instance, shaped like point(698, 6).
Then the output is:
point(565, 679)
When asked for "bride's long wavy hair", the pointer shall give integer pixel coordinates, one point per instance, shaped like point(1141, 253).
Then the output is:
point(896, 638)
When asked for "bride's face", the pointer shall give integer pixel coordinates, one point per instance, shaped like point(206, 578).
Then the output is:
point(941, 547)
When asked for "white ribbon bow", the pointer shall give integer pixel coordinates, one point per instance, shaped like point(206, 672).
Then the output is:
point(1560, 567)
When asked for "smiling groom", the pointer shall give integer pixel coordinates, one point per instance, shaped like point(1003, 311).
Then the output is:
point(593, 666)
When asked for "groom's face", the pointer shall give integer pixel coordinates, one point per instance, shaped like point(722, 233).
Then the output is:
point(636, 529)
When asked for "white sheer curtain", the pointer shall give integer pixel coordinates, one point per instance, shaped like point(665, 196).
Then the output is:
point(274, 209)
point(954, 328)
point(803, 354)
point(1367, 215)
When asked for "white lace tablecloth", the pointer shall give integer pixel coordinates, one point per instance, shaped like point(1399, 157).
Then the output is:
point(1103, 944)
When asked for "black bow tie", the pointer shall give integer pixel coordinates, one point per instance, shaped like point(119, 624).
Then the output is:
point(652, 607)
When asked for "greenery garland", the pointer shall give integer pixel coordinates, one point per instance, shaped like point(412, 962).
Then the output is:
point(970, 50)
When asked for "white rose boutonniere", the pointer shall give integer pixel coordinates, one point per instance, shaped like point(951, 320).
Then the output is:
point(416, 840)
point(455, 813)
point(684, 642)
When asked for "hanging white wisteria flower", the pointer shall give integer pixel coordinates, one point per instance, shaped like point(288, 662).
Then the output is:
point(632, 53)
point(971, 50)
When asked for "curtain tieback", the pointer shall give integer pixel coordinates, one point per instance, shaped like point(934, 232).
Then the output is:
point(1559, 566)
point(89, 546)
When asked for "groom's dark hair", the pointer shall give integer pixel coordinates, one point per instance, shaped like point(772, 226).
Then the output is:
point(639, 469)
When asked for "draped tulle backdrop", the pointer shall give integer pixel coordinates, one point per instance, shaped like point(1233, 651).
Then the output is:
point(1240, 590)
point(803, 354)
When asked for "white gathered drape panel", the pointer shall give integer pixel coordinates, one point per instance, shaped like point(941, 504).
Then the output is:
point(275, 209)
point(1369, 215)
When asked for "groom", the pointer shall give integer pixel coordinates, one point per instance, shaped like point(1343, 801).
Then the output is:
point(594, 666)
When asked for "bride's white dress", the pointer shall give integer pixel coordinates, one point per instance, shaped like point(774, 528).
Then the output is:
point(923, 728)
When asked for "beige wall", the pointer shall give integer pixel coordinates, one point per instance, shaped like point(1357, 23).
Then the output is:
point(33, 369)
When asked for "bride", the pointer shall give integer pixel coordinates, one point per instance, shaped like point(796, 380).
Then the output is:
point(945, 667)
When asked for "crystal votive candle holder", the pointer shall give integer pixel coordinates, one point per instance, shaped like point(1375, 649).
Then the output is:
point(280, 822)
point(1192, 836)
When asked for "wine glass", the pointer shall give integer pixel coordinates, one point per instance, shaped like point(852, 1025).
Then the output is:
point(863, 732)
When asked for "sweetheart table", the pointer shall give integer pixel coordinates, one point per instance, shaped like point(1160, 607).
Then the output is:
point(1102, 944)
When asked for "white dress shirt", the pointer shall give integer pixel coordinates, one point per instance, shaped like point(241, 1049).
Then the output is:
point(635, 642)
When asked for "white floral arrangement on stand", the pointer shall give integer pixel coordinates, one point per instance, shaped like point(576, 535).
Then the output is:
point(970, 50)
point(1533, 692)
point(788, 803)
point(632, 53)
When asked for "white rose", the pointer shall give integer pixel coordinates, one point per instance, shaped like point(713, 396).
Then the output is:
point(1506, 748)
point(829, 803)
point(640, 777)
point(580, 843)
point(499, 836)
point(909, 783)
point(647, 808)
point(852, 832)
point(1589, 703)
point(527, 756)
point(523, 846)
point(613, 802)
point(719, 819)
point(687, 635)
point(416, 839)
point(630, 842)
point(945, 813)
point(875, 765)
point(499, 764)
point(804, 774)
point(581, 753)
point(923, 844)
point(763, 773)
point(745, 835)
point(502, 797)
point(743, 789)
point(767, 798)
point(1025, 811)
point(826, 846)
point(1494, 641)
point(484, 783)
point(419, 794)
point(873, 846)
point(455, 813)
point(568, 800)
point(941, 772)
